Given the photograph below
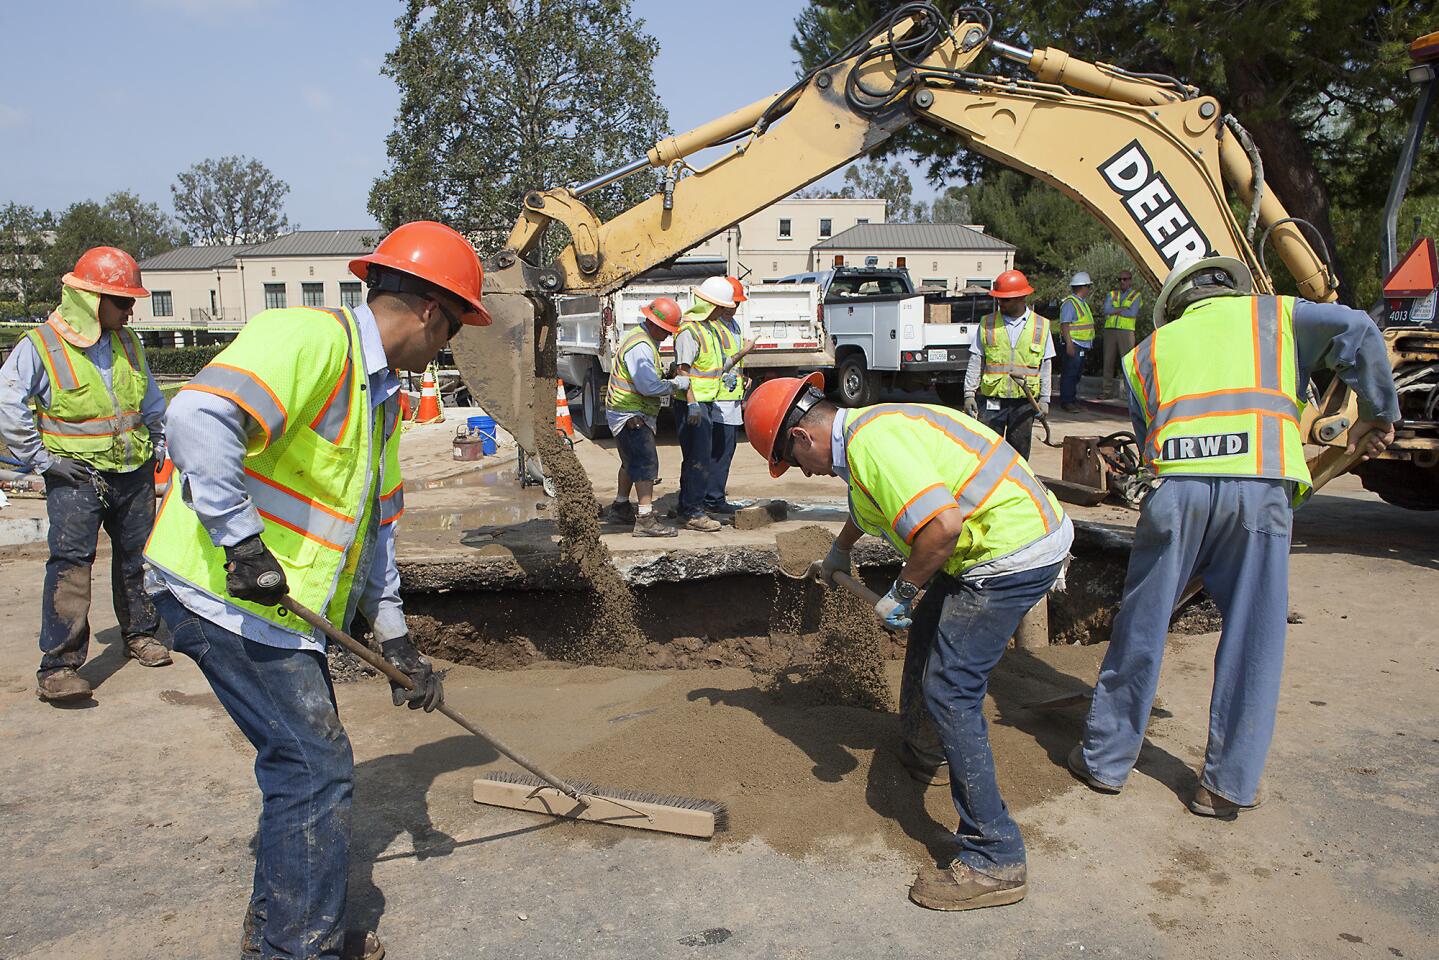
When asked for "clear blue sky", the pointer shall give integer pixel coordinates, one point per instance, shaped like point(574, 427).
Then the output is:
point(105, 95)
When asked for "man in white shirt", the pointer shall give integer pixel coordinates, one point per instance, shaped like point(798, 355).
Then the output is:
point(1011, 351)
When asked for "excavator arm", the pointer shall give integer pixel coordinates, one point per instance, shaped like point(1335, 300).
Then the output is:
point(1149, 157)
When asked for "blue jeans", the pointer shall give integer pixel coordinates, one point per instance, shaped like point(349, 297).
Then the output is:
point(1070, 370)
point(721, 453)
point(1233, 533)
point(697, 448)
point(284, 704)
point(960, 631)
point(76, 515)
point(1013, 420)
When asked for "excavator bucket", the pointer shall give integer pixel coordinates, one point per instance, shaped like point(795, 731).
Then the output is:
point(509, 366)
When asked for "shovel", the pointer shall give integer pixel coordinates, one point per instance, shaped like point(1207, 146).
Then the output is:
point(1038, 414)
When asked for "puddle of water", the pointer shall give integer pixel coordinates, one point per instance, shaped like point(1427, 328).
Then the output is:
point(491, 473)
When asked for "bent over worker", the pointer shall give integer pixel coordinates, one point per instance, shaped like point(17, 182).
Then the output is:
point(1221, 429)
point(975, 526)
point(632, 409)
point(100, 419)
point(1011, 353)
point(287, 452)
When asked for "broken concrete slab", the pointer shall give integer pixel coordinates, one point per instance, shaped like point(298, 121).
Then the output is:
point(761, 514)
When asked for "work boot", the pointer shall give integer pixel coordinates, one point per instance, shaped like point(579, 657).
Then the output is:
point(63, 685)
point(648, 525)
point(722, 509)
point(362, 945)
point(702, 523)
point(924, 768)
point(250, 936)
point(148, 651)
point(1207, 803)
point(1069, 407)
point(961, 887)
point(1080, 769)
point(618, 512)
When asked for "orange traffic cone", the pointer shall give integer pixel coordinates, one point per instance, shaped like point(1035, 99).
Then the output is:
point(163, 471)
point(563, 423)
point(405, 412)
point(430, 411)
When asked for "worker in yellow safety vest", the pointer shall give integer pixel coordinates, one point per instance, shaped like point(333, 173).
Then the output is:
point(79, 406)
point(1010, 354)
point(1220, 427)
point(287, 452)
point(1076, 325)
point(987, 540)
point(1121, 312)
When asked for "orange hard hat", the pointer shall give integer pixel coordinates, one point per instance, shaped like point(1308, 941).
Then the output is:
point(106, 270)
point(739, 296)
point(1011, 284)
point(767, 414)
point(436, 254)
point(663, 312)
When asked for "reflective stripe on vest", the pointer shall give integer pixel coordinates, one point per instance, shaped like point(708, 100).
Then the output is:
point(60, 365)
point(621, 394)
point(93, 421)
point(1082, 329)
point(1229, 413)
point(728, 344)
point(309, 518)
point(330, 422)
point(705, 370)
point(98, 427)
point(1004, 360)
point(1114, 302)
point(985, 467)
point(247, 391)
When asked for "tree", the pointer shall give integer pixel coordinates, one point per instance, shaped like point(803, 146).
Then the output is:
point(1319, 84)
point(142, 229)
point(873, 178)
point(24, 239)
point(231, 200)
point(952, 206)
point(122, 220)
point(501, 97)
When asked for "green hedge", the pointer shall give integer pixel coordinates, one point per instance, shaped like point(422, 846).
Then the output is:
point(181, 361)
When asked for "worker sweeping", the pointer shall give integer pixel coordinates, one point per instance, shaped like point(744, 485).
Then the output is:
point(632, 409)
point(288, 452)
point(1221, 429)
point(1011, 351)
point(1121, 314)
point(97, 424)
point(974, 525)
point(1076, 326)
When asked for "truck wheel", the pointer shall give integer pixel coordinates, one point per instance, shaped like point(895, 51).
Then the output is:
point(591, 420)
point(857, 386)
point(951, 394)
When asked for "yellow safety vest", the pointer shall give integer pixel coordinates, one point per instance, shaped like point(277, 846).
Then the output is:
point(909, 462)
point(705, 370)
point(322, 470)
point(99, 425)
point(1082, 329)
point(1115, 301)
point(1223, 412)
point(1002, 358)
point(622, 394)
point(729, 344)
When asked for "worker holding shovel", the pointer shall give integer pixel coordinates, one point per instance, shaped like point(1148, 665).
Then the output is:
point(980, 530)
point(288, 452)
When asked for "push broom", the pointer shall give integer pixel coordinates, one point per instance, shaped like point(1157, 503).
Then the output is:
point(539, 791)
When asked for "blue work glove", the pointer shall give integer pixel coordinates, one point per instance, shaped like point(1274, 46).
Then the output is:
point(679, 384)
point(697, 412)
point(894, 610)
point(730, 380)
point(824, 570)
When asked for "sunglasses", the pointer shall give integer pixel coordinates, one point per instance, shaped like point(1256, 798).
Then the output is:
point(124, 303)
point(454, 321)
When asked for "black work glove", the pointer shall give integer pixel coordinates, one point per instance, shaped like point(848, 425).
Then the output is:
point(252, 573)
point(428, 693)
point(67, 470)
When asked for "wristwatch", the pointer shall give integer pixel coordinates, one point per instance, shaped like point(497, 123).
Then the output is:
point(904, 589)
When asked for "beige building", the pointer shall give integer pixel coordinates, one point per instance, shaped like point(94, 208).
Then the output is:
point(777, 241)
point(223, 286)
point(948, 255)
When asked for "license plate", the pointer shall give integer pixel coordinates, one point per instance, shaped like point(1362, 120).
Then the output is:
point(938, 355)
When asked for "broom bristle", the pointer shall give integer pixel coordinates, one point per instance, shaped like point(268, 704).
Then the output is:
point(713, 807)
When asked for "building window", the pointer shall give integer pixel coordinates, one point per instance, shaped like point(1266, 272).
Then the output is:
point(784, 228)
point(350, 295)
point(984, 283)
point(274, 296)
point(861, 220)
point(826, 227)
point(938, 282)
point(161, 304)
point(312, 294)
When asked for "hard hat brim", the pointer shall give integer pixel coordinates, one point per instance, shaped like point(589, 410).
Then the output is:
point(1012, 294)
point(1238, 269)
point(816, 380)
point(114, 290)
point(730, 304)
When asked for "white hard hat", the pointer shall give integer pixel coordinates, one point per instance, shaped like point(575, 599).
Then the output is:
point(1183, 277)
point(1080, 279)
point(716, 290)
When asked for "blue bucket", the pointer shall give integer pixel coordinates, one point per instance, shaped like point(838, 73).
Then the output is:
point(485, 427)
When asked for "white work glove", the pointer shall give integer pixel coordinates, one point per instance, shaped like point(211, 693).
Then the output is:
point(836, 560)
point(1044, 408)
point(971, 406)
point(679, 384)
point(894, 610)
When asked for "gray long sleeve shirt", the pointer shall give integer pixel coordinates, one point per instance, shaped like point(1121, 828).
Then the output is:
point(207, 437)
point(23, 379)
point(1014, 326)
point(1338, 338)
